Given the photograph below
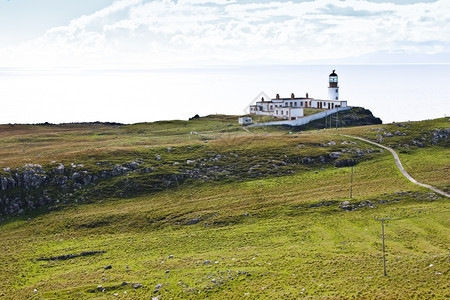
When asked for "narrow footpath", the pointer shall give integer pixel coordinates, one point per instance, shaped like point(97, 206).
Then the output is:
point(399, 165)
point(246, 129)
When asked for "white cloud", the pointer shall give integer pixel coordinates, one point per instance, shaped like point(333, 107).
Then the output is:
point(194, 32)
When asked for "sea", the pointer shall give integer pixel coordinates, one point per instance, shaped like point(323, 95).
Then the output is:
point(393, 92)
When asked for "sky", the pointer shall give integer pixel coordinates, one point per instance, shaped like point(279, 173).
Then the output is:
point(48, 47)
point(166, 33)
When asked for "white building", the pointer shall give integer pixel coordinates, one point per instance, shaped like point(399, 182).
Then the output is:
point(292, 108)
point(245, 121)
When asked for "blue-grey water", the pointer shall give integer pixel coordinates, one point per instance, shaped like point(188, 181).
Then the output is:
point(392, 92)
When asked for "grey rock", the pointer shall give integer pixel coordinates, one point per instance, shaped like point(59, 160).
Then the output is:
point(59, 169)
point(157, 288)
point(307, 160)
point(345, 163)
point(4, 183)
point(193, 221)
point(75, 175)
point(335, 155)
point(132, 165)
point(136, 285)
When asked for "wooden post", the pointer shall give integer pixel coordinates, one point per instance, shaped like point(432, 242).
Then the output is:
point(351, 184)
point(384, 250)
point(337, 117)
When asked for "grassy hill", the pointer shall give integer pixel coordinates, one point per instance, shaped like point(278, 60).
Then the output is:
point(204, 209)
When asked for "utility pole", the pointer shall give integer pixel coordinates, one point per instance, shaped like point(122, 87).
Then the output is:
point(351, 184)
point(384, 251)
point(337, 118)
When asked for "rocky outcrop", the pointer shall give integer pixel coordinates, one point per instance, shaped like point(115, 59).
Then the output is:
point(33, 186)
point(356, 116)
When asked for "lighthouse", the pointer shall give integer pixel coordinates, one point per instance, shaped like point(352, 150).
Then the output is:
point(333, 88)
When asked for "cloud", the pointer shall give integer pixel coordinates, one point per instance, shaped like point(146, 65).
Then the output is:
point(349, 11)
point(192, 32)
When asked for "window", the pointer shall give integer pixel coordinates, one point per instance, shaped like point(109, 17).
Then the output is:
point(276, 112)
point(337, 90)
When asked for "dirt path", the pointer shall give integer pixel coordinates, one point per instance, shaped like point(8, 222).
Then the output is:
point(399, 165)
point(246, 129)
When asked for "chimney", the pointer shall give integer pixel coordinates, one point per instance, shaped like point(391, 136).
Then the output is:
point(307, 96)
point(277, 96)
point(262, 99)
point(292, 96)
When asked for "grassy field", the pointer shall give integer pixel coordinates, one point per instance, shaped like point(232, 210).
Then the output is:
point(422, 146)
point(272, 228)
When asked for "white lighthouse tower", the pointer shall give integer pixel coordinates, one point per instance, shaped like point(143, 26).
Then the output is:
point(333, 88)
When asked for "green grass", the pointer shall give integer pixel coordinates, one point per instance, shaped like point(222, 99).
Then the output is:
point(266, 236)
point(20, 144)
point(429, 165)
point(428, 162)
point(312, 111)
point(325, 247)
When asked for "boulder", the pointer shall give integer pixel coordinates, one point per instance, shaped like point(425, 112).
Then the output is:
point(345, 163)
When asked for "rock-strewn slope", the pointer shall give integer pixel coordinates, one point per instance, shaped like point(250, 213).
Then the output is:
point(32, 186)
